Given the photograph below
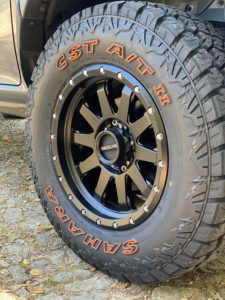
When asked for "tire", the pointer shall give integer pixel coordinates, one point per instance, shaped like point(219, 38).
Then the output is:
point(181, 66)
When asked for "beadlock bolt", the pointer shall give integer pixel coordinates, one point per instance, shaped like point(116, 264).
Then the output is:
point(156, 189)
point(83, 212)
point(52, 136)
point(159, 137)
point(146, 208)
point(161, 164)
point(85, 73)
point(60, 97)
point(60, 179)
point(70, 197)
point(131, 221)
point(137, 89)
point(115, 225)
point(54, 158)
point(98, 222)
point(151, 110)
point(102, 70)
point(71, 82)
point(120, 76)
point(54, 116)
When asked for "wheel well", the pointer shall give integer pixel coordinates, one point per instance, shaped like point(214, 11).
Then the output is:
point(40, 19)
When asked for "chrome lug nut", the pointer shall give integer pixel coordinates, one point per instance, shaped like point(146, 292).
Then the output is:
point(159, 137)
point(114, 122)
point(123, 168)
point(120, 126)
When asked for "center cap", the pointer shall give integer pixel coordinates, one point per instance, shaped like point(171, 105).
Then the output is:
point(109, 145)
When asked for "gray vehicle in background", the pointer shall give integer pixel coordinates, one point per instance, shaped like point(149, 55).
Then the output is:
point(125, 106)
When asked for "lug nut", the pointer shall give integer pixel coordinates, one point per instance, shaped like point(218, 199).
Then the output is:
point(54, 158)
point(102, 70)
point(52, 136)
point(70, 197)
point(83, 212)
point(54, 116)
point(114, 122)
point(151, 110)
point(161, 164)
point(85, 73)
point(132, 143)
point(146, 208)
point(156, 189)
point(115, 225)
point(60, 97)
point(60, 179)
point(120, 126)
point(137, 89)
point(127, 162)
point(123, 168)
point(120, 76)
point(159, 137)
point(131, 221)
point(98, 222)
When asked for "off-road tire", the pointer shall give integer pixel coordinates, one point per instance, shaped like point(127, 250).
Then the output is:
point(187, 226)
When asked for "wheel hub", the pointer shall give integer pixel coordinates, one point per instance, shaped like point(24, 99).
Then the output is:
point(109, 147)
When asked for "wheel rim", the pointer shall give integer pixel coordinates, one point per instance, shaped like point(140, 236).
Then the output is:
point(109, 146)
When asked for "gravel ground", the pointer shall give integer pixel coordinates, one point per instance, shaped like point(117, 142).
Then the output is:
point(36, 264)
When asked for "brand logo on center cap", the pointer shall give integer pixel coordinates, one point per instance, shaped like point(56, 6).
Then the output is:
point(109, 147)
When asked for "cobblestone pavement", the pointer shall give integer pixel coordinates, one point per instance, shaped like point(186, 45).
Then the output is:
point(36, 264)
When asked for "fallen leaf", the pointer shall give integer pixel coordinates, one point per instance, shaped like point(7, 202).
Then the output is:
point(35, 290)
point(36, 272)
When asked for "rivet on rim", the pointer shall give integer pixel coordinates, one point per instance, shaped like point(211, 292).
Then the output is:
point(54, 116)
point(70, 197)
point(156, 189)
point(159, 137)
point(83, 212)
point(102, 70)
point(115, 225)
point(71, 82)
point(52, 136)
point(151, 110)
point(131, 221)
point(161, 164)
point(137, 89)
point(85, 73)
point(60, 179)
point(120, 76)
point(54, 158)
point(98, 222)
point(60, 97)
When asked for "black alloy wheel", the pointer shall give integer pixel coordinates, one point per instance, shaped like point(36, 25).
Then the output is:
point(109, 146)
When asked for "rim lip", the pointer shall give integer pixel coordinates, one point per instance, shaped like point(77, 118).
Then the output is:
point(144, 96)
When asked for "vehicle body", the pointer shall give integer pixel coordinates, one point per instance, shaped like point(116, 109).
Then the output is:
point(125, 126)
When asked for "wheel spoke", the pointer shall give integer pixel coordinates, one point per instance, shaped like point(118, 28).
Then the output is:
point(90, 117)
point(138, 127)
point(137, 178)
point(84, 139)
point(104, 102)
point(88, 164)
point(123, 109)
point(103, 181)
point(120, 182)
point(145, 154)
